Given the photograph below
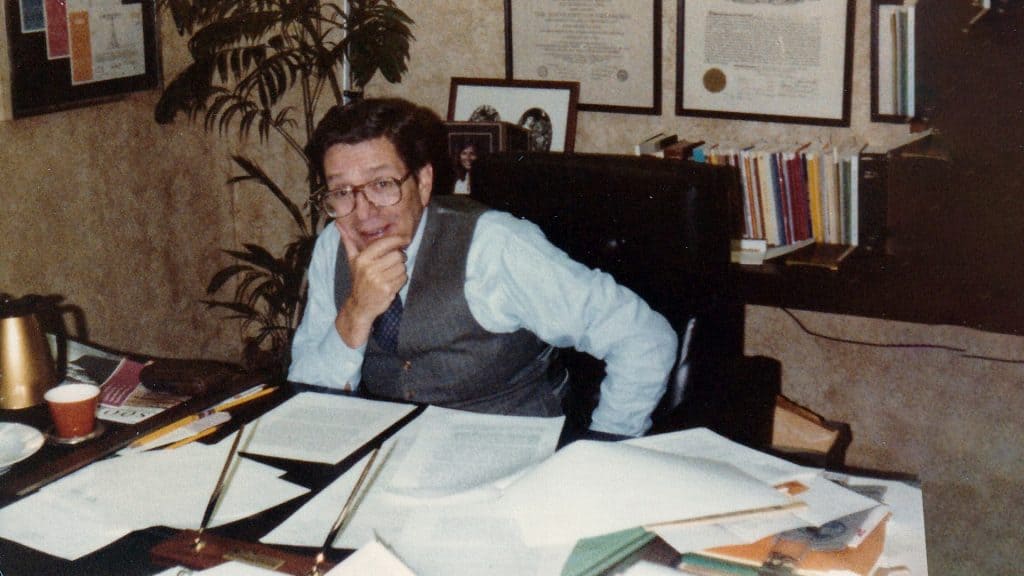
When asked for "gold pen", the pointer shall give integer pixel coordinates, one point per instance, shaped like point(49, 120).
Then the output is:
point(342, 516)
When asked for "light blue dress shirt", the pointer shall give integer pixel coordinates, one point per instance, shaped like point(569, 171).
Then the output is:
point(516, 279)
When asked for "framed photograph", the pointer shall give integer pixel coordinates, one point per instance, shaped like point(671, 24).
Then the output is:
point(612, 48)
point(768, 60)
point(893, 75)
point(470, 141)
point(547, 109)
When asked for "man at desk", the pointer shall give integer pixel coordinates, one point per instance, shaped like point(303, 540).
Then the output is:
point(439, 300)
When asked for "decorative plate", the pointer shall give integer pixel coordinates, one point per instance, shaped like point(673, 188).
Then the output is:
point(17, 442)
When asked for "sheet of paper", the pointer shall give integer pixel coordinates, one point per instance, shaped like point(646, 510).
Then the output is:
point(373, 558)
point(383, 510)
point(470, 539)
point(645, 568)
point(825, 500)
point(593, 488)
point(322, 427)
point(456, 451)
point(104, 501)
point(703, 443)
point(905, 533)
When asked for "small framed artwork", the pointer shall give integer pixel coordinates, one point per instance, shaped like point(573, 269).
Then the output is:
point(766, 60)
point(546, 109)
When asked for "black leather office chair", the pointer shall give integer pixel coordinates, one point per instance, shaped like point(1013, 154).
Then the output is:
point(661, 228)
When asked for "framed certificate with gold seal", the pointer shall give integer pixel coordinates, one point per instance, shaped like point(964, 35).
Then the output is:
point(767, 60)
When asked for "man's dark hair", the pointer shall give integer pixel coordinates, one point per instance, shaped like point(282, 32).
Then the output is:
point(416, 132)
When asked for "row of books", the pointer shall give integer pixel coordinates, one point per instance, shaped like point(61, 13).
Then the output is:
point(793, 194)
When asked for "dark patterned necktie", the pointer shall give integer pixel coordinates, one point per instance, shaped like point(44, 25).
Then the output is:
point(385, 327)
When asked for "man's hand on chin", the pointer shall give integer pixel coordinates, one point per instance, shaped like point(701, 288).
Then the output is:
point(378, 273)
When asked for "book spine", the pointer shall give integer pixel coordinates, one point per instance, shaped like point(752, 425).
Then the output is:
point(873, 192)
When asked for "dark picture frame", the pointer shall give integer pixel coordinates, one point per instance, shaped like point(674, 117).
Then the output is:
point(626, 76)
point(885, 91)
point(546, 108)
point(471, 141)
point(47, 74)
point(761, 78)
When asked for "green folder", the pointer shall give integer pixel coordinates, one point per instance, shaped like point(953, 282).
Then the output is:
point(592, 556)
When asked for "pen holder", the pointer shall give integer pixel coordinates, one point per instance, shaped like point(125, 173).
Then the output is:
point(181, 550)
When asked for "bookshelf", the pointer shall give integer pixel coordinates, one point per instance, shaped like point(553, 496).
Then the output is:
point(954, 252)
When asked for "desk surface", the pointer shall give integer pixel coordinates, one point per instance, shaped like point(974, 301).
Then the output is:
point(130, 554)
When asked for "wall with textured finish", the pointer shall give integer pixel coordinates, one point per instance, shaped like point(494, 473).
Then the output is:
point(120, 216)
point(126, 220)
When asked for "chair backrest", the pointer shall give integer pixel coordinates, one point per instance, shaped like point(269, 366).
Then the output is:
point(660, 227)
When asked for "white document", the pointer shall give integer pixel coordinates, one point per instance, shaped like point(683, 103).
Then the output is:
point(389, 498)
point(110, 498)
point(455, 451)
point(593, 488)
point(322, 427)
point(232, 569)
point(825, 501)
point(703, 443)
point(471, 539)
point(373, 558)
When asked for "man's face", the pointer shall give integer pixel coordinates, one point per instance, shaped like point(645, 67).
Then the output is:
point(355, 164)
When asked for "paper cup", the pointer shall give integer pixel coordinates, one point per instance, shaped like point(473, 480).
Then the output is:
point(73, 408)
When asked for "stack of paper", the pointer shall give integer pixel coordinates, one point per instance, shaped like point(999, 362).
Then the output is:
point(111, 498)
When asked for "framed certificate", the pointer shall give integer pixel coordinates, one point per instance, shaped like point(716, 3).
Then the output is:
point(612, 48)
point(769, 60)
point(71, 53)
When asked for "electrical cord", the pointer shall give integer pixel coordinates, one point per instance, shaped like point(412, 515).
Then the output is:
point(962, 351)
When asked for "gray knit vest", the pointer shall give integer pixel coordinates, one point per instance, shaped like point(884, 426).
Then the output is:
point(444, 356)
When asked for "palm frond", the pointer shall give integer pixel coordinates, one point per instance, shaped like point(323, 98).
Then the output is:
point(247, 57)
point(253, 172)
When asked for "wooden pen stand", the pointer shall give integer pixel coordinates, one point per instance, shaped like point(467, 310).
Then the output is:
point(182, 550)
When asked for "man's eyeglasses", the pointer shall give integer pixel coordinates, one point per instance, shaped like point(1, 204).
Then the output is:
point(386, 191)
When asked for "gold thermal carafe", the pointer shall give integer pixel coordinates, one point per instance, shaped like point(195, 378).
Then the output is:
point(26, 366)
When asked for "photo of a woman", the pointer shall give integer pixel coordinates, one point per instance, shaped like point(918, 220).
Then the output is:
point(464, 157)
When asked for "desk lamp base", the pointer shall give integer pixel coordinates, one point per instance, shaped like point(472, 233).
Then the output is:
point(182, 550)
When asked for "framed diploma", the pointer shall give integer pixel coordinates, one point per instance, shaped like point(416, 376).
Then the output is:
point(769, 60)
point(611, 47)
point(547, 110)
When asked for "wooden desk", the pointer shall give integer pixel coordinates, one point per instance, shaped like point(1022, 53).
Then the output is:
point(53, 461)
point(130, 554)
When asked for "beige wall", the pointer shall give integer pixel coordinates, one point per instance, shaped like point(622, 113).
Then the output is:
point(125, 219)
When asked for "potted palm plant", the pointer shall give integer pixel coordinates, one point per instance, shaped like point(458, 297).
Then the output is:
point(272, 66)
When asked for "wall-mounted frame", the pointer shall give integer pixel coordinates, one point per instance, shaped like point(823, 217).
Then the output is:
point(612, 48)
point(70, 53)
point(546, 108)
point(893, 61)
point(768, 60)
